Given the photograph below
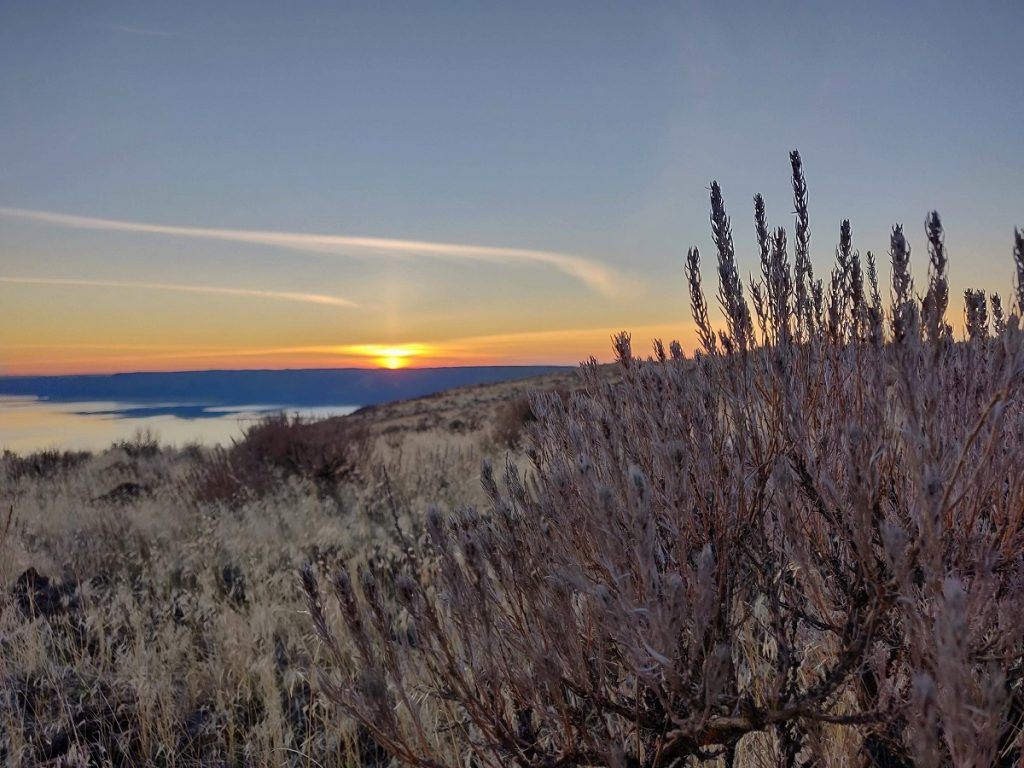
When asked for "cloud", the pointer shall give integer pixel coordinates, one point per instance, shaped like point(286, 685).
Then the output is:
point(593, 274)
point(303, 298)
point(145, 32)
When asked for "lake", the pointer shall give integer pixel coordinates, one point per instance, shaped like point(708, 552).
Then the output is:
point(29, 423)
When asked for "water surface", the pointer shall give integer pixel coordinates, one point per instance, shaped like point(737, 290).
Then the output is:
point(30, 424)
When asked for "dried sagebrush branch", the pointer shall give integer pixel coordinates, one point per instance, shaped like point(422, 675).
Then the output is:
point(799, 551)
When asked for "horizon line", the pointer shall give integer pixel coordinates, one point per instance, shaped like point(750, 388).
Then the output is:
point(285, 370)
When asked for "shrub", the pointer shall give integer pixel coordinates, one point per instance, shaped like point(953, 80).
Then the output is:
point(510, 421)
point(42, 464)
point(277, 448)
point(513, 417)
point(144, 444)
point(804, 545)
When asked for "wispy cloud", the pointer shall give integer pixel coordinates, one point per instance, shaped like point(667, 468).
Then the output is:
point(106, 346)
point(303, 298)
point(595, 275)
point(130, 30)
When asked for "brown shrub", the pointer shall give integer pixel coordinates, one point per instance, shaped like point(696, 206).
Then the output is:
point(279, 448)
point(513, 417)
point(510, 420)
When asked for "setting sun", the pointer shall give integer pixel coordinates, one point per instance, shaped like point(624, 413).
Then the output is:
point(395, 357)
point(392, 357)
point(393, 362)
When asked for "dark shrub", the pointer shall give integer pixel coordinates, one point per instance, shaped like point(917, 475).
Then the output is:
point(42, 464)
point(278, 448)
point(142, 445)
point(513, 417)
point(510, 420)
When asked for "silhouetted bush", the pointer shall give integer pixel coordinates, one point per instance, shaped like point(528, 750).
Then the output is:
point(144, 444)
point(42, 464)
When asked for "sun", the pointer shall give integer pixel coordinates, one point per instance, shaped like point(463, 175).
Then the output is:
point(394, 358)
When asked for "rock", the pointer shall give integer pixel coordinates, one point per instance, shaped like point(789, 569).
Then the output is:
point(38, 595)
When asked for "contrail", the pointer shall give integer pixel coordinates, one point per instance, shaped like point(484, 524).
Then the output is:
point(136, 30)
point(303, 298)
point(593, 274)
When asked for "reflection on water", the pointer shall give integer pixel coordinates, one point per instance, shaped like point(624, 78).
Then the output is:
point(29, 424)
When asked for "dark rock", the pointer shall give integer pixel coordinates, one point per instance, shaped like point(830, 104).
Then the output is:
point(232, 584)
point(37, 595)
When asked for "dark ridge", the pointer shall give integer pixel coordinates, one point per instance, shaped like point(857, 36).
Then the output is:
point(309, 387)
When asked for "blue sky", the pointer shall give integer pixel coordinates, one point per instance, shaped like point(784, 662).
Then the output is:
point(584, 129)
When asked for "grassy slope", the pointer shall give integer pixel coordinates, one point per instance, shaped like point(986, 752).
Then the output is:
point(147, 628)
point(456, 410)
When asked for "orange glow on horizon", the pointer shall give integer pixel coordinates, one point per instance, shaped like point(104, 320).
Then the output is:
point(392, 358)
point(555, 347)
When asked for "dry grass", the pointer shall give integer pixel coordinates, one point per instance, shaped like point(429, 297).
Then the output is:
point(803, 546)
point(149, 611)
point(151, 630)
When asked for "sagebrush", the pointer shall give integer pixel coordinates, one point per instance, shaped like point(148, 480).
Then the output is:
point(803, 545)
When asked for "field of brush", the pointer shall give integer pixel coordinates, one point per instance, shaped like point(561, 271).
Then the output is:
point(150, 611)
point(802, 545)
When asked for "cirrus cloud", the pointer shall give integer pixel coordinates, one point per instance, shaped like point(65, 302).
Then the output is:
point(595, 275)
point(302, 298)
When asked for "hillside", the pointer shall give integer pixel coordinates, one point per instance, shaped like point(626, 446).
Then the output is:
point(462, 409)
point(144, 571)
point(304, 387)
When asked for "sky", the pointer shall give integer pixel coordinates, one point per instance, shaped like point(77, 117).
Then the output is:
point(198, 185)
